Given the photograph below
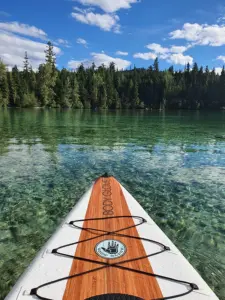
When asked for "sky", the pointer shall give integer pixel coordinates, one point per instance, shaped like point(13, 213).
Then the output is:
point(127, 32)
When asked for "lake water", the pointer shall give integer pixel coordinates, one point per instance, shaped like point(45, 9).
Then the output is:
point(171, 162)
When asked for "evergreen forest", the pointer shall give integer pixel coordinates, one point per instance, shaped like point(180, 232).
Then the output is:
point(108, 88)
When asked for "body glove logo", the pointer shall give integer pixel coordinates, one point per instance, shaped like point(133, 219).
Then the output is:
point(110, 249)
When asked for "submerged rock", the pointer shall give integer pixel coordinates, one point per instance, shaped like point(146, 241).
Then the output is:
point(220, 137)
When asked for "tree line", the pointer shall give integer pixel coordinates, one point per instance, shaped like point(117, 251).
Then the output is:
point(108, 88)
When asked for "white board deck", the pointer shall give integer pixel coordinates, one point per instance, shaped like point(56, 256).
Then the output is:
point(47, 267)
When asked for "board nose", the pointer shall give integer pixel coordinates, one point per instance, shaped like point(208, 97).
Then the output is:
point(106, 175)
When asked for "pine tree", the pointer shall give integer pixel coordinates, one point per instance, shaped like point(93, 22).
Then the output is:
point(4, 89)
point(66, 94)
point(26, 63)
point(25, 81)
point(50, 55)
point(75, 96)
point(110, 86)
point(42, 83)
point(117, 102)
point(103, 96)
point(84, 95)
point(222, 89)
point(171, 70)
point(130, 91)
point(135, 101)
point(48, 77)
point(82, 80)
point(28, 97)
point(12, 90)
point(156, 65)
point(94, 92)
point(16, 84)
point(32, 80)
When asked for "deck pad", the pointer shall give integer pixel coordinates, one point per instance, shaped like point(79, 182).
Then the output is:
point(107, 200)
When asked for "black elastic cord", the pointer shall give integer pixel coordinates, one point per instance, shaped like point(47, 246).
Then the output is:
point(118, 265)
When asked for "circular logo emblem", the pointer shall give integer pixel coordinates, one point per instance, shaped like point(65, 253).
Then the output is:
point(110, 249)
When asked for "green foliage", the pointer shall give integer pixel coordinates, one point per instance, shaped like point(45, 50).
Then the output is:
point(4, 89)
point(47, 77)
point(15, 88)
point(135, 101)
point(75, 96)
point(103, 97)
point(66, 94)
point(29, 100)
point(108, 88)
point(156, 65)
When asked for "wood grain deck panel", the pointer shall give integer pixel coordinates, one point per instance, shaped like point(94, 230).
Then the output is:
point(110, 280)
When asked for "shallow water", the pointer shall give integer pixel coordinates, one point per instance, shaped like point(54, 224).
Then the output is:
point(171, 162)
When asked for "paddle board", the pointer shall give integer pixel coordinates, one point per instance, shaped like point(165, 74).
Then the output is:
point(108, 247)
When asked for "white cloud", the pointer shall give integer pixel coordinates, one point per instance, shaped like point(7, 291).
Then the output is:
point(23, 29)
point(179, 59)
point(109, 6)
point(145, 56)
point(100, 59)
point(175, 58)
point(13, 47)
point(221, 20)
point(83, 11)
point(218, 71)
point(104, 21)
point(173, 54)
point(179, 49)
point(212, 35)
point(63, 42)
point(156, 48)
point(122, 53)
point(221, 57)
point(82, 42)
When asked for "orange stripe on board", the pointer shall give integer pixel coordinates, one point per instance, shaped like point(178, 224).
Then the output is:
point(107, 199)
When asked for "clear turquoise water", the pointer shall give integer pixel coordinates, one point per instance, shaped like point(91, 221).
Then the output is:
point(171, 162)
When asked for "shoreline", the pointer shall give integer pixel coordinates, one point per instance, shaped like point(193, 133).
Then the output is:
point(113, 109)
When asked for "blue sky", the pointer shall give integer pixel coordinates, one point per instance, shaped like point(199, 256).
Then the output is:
point(127, 32)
